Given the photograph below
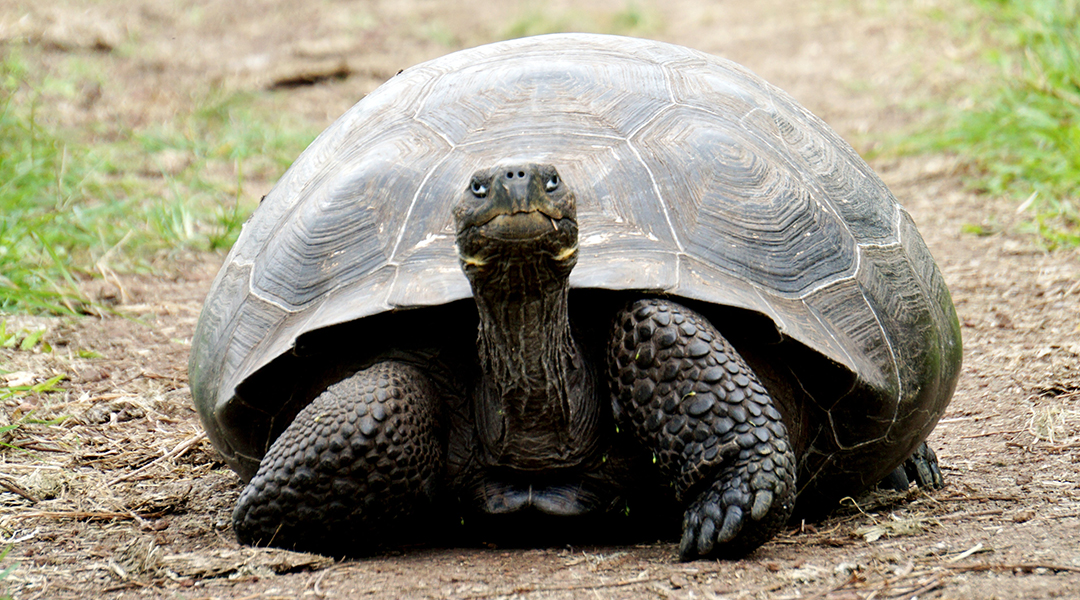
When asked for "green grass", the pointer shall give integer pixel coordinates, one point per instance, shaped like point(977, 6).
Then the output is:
point(8, 570)
point(1022, 135)
point(539, 19)
point(74, 203)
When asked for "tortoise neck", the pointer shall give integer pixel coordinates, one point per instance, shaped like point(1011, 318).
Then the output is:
point(535, 405)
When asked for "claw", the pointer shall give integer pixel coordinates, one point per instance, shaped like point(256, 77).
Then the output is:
point(686, 545)
point(714, 511)
point(706, 537)
point(732, 524)
point(762, 502)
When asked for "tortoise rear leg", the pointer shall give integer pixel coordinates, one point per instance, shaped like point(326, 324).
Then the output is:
point(356, 467)
point(714, 431)
point(921, 468)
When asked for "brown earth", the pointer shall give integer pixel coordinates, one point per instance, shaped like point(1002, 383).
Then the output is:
point(127, 499)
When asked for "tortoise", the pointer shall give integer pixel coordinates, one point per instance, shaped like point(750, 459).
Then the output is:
point(565, 278)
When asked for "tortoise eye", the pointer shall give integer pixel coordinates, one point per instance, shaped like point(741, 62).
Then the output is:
point(479, 188)
point(552, 183)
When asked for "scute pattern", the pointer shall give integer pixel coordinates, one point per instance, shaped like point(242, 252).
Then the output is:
point(728, 193)
point(694, 178)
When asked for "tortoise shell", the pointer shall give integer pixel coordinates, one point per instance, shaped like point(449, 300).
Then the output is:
point(694, 179)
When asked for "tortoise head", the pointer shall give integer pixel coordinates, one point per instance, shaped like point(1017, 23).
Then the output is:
point(513, 214)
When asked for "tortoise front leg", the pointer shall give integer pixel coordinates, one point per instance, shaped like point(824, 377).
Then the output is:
point(713, 429)
point(351, 470)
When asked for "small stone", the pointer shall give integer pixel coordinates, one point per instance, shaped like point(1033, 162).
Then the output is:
point(1023, 516)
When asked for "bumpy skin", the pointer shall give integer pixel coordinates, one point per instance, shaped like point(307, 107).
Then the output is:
point(688, 395)
point(361, 459)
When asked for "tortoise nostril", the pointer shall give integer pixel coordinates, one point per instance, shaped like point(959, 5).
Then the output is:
point(521, 173)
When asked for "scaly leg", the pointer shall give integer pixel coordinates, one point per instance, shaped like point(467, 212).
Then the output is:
point(691, 399)
point(353, 468)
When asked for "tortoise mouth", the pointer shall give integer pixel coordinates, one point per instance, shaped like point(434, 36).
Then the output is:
point(521, 226)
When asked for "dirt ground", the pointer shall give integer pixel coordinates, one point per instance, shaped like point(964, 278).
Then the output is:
point(127, 499)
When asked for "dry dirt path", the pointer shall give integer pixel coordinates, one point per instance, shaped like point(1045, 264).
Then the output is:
point(128, 501)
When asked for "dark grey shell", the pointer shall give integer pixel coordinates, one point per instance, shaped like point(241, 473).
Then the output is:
point(694, 178)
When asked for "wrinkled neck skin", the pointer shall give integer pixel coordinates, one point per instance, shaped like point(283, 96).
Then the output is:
point(535, 403)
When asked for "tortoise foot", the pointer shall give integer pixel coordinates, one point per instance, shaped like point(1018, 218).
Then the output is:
point(691, 399)
point(921, 468)
point(352, 471)
point(736, 514)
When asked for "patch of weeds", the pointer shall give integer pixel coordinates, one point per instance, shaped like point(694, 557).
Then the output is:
point(438, 32)
point(979, 229)
point(40, 182)
point(49, 385)
point(1022, 137)
point(634, 20)
point(205, 159)
point(6, 572)
point(23, 340)
point(539, 19)
point(70, 210)
point(29, 420)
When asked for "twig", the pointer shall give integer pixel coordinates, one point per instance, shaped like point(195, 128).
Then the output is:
point(966, 553)
point(823, 593)
point(526, 589)
point(966, 498)
point(967, 515)
point(935, 583)
point(82, 514)
point(15, 489)
point(318, 580)
point(989, 433)
point(176, 452)
point(1013, 567)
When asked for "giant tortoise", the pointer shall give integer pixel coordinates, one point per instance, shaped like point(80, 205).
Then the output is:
point(563, 278)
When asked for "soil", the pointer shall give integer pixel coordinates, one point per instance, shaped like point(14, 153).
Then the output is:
point(126, 498)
